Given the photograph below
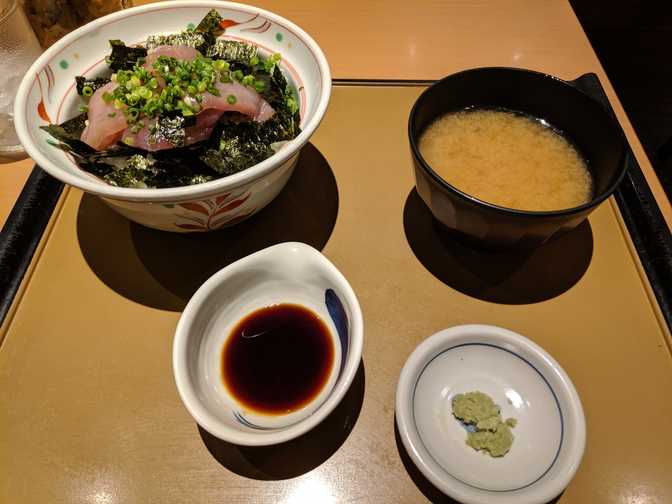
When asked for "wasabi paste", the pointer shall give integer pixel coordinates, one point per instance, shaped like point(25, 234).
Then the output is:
point(491, 434)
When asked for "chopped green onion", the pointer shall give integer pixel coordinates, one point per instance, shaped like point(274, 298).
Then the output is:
point(248, 80)
point(111, 114)
point(83, 108)
point(292, 104)
point(259, 86)
point(107, 97)
point(122, 77)
point(221, 65)
point(272, 60)
point(152, 107)
point(87, 90)
point(144, 92)
point(231, 99)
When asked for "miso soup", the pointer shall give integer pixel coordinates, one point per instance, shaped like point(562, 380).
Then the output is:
point(507, 159)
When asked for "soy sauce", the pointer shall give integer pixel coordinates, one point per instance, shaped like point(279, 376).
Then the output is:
point(277, 359)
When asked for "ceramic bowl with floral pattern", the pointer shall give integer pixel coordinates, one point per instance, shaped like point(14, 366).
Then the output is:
point(47, 95)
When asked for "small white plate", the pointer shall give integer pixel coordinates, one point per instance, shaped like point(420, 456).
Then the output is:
point(528, 385)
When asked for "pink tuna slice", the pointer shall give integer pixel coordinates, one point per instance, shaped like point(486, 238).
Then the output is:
point(105, 123)
point(205, 122)
point(247, 101)
point(182, 53)
point(103, 130)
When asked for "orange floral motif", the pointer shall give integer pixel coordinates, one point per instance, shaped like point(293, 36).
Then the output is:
point(41, 109)
point(227, 23)
point(213, 213)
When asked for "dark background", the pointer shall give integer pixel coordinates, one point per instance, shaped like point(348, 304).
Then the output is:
point(633, 40)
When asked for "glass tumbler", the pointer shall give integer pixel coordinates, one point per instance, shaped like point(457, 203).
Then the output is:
point(18, 49)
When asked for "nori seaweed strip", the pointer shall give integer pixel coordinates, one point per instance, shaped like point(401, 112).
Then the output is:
point(137, 171)
point(199, 41)
point(170, 167)
point(171, 128)
point(211, 24)
point(234, 155)
point(233, 52)
point(94, 84)
point(126, 166)
point(69, 133)
point(201, 38)
point(68, 130)
point(123, 57)
point(180, 166)
point(237, 143)
point(210, 28)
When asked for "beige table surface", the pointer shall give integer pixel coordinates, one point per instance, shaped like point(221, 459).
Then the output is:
point(430, 39)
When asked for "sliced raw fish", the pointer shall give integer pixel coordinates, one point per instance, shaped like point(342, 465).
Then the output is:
point(247, 101)
point(182, 53)
point(105, 123)
point(205, 123)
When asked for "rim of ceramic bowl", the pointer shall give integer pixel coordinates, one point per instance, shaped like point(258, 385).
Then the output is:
point(594, 201)
point(416, 449)
point(172, 193)
point(208, 420)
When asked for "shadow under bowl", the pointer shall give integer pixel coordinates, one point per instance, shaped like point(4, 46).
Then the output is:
point(573, 113)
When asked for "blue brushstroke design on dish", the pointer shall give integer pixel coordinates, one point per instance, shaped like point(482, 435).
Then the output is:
point(340, 319)
point(244, 421)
